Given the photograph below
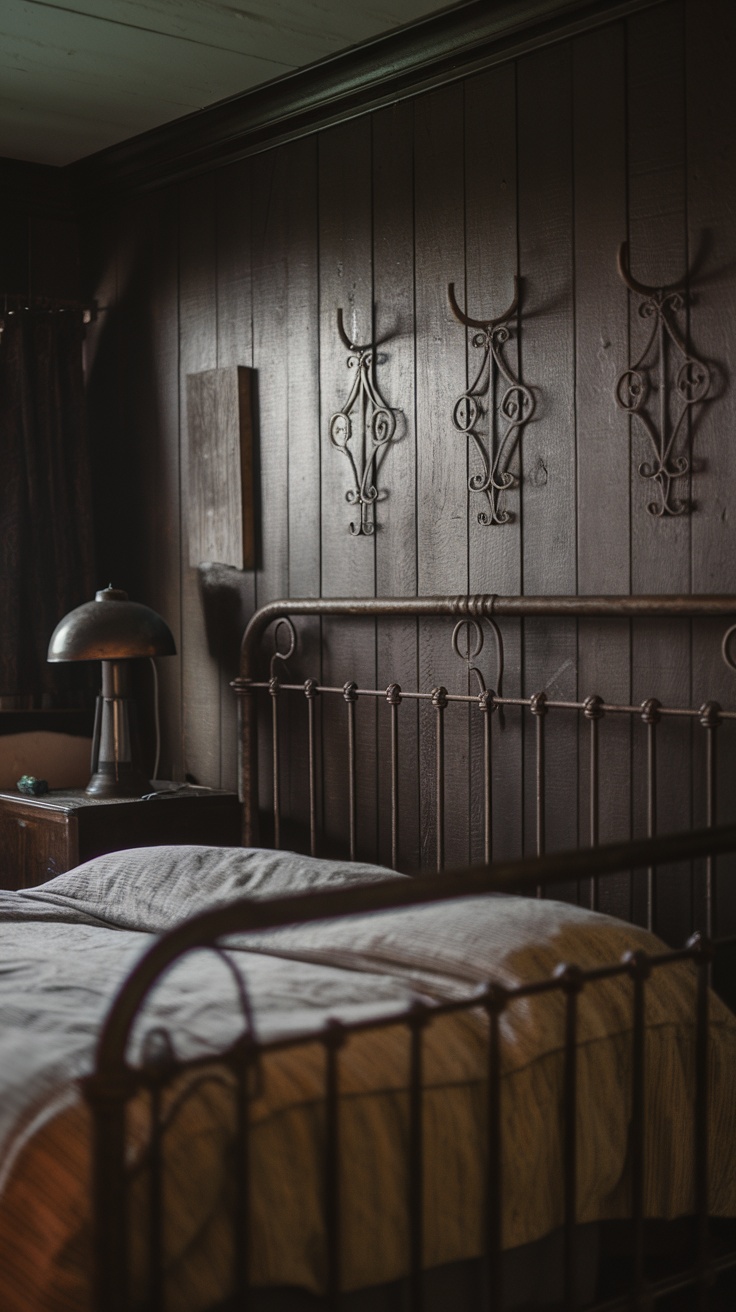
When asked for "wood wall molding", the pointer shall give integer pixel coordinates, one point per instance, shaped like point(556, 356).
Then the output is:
point(438, 50)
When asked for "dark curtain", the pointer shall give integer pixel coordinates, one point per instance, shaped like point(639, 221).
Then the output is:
point(46, 544)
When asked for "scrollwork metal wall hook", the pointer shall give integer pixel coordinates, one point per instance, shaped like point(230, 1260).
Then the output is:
point(506, 418)
point(487, 325)
point(348, 341)
point(376, 425)
point(650, 374)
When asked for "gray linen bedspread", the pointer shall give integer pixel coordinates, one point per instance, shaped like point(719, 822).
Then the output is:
point(66, 947)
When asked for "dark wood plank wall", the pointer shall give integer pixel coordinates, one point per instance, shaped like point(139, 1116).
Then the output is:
point(39, 235)
point(539, 166)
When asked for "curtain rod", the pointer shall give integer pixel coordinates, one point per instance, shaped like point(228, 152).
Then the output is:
point(11, 302)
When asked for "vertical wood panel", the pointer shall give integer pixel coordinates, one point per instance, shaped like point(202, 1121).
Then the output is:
point(396, 564)
point(145, 347)
point(151, 417)
point(53, 257)
point(271, 190)
point(303, 371)
point(601, 346)
point(495, 550)
point(304, 437)
point(442, 492)
point(711, 204)
point(348, 563)
point(271, 187)
point(232, 592)
point(197, 351)
point(549, 454)
point(660, 547)
point(101, 343)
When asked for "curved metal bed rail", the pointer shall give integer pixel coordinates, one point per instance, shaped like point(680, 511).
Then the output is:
point(478, 606)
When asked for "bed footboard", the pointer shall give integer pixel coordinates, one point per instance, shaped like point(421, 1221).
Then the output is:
point(116, 1083)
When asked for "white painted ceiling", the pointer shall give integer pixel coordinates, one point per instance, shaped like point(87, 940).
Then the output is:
point(78, 75)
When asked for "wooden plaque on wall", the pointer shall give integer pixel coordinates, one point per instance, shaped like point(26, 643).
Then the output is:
point(220, 508)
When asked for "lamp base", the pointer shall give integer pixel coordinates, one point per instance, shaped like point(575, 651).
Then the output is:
point(125, 781)
point(115, 772)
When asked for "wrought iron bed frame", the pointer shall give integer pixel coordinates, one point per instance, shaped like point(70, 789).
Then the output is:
point(114, 1081)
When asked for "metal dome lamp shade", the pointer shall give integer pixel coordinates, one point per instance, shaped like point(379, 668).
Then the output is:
point(113, 630)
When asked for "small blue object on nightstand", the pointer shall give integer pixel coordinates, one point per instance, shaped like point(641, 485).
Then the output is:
point(31, 786)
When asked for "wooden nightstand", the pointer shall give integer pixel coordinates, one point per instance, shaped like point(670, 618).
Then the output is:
point(40, 837)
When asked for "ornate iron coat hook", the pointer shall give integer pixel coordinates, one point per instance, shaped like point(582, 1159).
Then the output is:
point(376, 425)
point(674, 397)
point(510, 404)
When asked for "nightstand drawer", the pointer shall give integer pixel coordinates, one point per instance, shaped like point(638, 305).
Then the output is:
point(33, 848)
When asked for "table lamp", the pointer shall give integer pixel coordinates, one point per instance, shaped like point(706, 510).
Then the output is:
point(114, 630)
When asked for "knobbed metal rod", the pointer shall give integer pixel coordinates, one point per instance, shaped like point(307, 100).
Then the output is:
point(108, 1096)
point(496, 1004)
point(243, 1066)
point(311, 692)
point(538, 707)
point(487, 707)
point(350, 693)
point(710, 718)
point(571, 980)
point(416, 1160)
point(650, 716)
point(393, 697)
point(594, 714)
point(333, 1041)
point(640, 971)
point(701, 1118)
point(460, 606)
point(274, 688)
point(439, 701)
point(156, 1284)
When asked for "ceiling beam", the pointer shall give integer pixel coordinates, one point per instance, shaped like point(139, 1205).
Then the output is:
point(437, 50)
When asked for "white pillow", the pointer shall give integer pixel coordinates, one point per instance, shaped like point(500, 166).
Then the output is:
point(155, 888)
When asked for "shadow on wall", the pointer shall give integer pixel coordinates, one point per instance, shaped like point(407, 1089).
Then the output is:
point(60, 758)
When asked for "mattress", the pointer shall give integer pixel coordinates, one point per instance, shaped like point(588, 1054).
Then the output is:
point(66, 947)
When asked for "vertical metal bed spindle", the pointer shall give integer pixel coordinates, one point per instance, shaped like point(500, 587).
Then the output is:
point(651, 717)
point(538, 708)
point(156, 1283)
point(311, 692)
point(495, 1006)
point(571, 983)
point(350, 693)
point(439, 701)
point(415, 1199)
point(639, 969)
point(710, 718)
point(593, 712)
point(108, 1095)
point(393, 697)
point(333, 1041)
point(703, 963)
point(487, 703)
point(274, 687)
point(243, 1065)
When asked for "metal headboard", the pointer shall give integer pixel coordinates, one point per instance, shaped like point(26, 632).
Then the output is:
point(473, 609)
